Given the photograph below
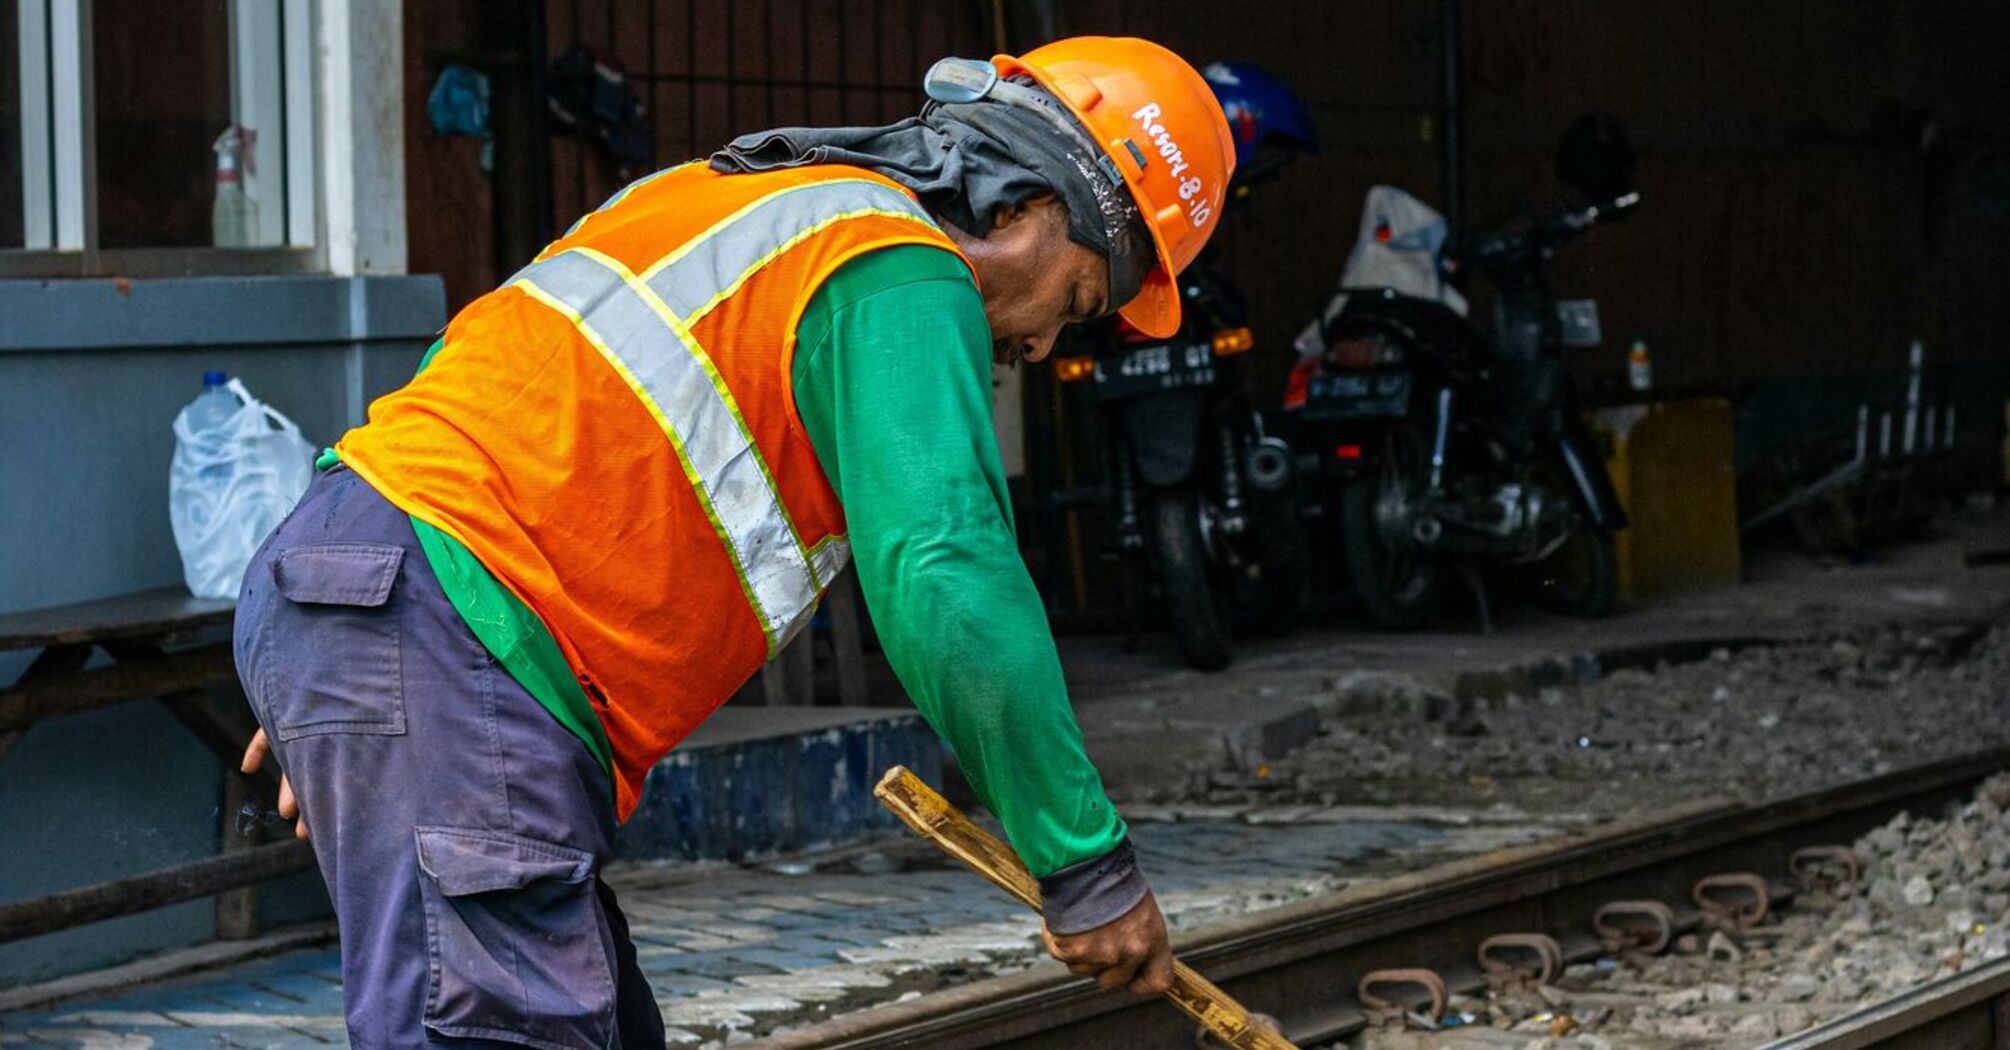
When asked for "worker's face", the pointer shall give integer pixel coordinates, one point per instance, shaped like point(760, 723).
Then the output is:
point(1034, 278)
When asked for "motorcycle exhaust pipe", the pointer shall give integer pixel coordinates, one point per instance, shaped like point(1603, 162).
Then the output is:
point(1271, 465)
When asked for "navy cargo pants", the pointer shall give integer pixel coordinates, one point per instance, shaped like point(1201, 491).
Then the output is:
point(459, 826)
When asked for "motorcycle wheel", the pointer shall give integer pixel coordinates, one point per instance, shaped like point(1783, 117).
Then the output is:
point(1186, 575)
point(1582, 577)
point(1396, 581)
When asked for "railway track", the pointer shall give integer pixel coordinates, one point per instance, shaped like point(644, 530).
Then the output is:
point(1302, 963)
point(1967, 1011)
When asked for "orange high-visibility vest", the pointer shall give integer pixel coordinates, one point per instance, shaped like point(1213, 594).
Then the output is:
point(613, 433)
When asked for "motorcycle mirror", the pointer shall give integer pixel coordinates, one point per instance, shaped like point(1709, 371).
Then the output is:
point(1594, 157)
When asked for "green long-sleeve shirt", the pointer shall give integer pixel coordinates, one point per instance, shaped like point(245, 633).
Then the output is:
point(892, 379)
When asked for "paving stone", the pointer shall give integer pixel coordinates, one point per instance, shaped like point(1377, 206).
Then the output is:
point(717, 965)
point(802, 904)
point(271, 1039)
point(822, 984)
point(757, 915)
point(86, 1039)
point(784, 961)
point(853, 937)
point(199, 1018)
point(248, 998)
point(187, 1039)
point(803, 920)
point(657, 949)
point(94, 1018)
point(309, 994)
point(857, 899)
point(678, 985)
point(804, 942)
point(733, 931)
point(704, 1012)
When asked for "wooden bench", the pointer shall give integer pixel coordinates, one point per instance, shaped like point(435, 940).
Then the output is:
point(170, 648)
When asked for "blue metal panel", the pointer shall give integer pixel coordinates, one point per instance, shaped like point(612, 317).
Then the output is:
point(756, 796)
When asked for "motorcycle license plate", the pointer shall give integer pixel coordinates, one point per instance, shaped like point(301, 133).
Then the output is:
point(1150, 369)
point(1354, 395)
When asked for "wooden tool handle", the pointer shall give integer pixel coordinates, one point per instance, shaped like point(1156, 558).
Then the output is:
point(933, 818)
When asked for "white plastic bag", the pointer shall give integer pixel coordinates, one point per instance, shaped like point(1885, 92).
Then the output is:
point(229, 487)
point(1400, 247)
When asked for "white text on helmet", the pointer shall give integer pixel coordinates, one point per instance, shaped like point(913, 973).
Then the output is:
point(1198, 209)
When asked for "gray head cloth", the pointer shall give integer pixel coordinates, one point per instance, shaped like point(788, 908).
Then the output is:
point(965, 160)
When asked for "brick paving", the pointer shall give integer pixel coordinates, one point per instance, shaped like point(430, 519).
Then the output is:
point(739, 952)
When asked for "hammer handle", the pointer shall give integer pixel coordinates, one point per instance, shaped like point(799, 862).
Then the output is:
point(932, 817)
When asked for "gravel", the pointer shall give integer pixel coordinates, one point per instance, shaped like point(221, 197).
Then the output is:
point(1763, 722)
point(1934, 900)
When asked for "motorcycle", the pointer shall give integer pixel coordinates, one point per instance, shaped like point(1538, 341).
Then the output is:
point(1437, 445)
point(1200, 492)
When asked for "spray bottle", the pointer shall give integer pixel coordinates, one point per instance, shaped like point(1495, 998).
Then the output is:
point(1639, 367)
point(233, 219)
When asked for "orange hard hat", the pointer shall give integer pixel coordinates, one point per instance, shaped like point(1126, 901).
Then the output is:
point(1157, 120)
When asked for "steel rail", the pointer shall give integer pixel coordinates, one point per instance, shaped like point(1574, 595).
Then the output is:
point(1965, 1011)
point(1300, 962)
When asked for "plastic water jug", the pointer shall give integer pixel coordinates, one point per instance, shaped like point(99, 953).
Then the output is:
point(239, 466)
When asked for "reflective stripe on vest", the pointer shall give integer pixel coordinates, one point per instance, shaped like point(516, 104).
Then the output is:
point(641, 325)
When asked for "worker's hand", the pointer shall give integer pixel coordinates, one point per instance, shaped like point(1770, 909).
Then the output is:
point(1129, 952)
point(289, 807)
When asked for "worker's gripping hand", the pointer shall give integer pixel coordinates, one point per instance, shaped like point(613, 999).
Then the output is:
point(289, 807)
point(1129, 952)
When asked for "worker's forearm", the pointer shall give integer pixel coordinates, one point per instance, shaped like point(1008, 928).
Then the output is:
point(968, 638)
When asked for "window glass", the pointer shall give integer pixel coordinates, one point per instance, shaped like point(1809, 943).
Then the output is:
point(162, 79)
point(12, 221)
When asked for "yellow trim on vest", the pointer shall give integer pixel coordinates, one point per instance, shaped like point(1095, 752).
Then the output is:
point(817, 578)
point(839, 548)
point(681, 327)
point(807, 232)
point(599, 344)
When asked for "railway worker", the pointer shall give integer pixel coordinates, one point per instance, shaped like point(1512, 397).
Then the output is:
point(620, 483)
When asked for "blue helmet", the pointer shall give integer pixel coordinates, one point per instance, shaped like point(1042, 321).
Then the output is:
point(1261, 110)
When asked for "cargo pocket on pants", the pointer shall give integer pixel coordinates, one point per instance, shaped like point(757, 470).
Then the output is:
point(332, 662)
point(514, 941)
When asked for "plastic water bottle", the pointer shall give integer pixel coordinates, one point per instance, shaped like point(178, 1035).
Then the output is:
point(211, 410)
point(215, 405)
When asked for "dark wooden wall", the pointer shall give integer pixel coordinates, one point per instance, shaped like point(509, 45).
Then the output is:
point(1823, 181)
point(1793, 223)
point(709, 70)
point(449, 201)
point(1816, 175)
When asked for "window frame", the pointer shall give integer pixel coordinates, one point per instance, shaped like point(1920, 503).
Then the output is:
point(59, 172)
